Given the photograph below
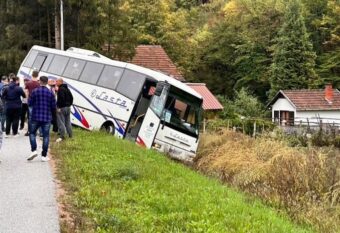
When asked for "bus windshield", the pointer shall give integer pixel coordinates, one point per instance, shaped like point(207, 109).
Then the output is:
point(181, 112)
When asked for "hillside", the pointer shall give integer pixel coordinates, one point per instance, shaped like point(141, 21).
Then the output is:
point(115, 186)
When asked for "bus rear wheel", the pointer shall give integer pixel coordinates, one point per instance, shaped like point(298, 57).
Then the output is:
point(108, 127)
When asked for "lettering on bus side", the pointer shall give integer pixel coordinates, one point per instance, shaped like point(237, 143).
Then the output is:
point(103, 96)
point(177, 136)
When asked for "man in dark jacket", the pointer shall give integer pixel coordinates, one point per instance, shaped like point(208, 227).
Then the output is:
point(64, 102)
point(12, 96)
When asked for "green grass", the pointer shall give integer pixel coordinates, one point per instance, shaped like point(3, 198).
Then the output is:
point(115, 186)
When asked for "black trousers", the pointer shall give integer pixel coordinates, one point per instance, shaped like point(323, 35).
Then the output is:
point(12, 120)
point(54, 122)
point(24, 113)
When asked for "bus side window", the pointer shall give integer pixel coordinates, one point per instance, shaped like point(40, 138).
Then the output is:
point(30, 58)
point(74, 68)
point(110, 77)
point(91, 72)
point(131, 84)
point(58, 65)
point(47, 62)
point(39, 61)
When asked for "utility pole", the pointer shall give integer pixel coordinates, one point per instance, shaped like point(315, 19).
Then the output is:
point(61, 25)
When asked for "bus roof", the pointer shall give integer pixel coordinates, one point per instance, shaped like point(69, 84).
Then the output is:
point(96, 57)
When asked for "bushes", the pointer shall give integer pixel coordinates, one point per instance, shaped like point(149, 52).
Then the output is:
point(244, 105)
point(241, 125)
point(303, 181)
point(297, 140)
point(321, 139)
point(336, 141)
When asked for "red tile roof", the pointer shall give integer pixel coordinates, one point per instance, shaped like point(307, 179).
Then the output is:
point(154, 57)
point(209, 100)
point(311, 99)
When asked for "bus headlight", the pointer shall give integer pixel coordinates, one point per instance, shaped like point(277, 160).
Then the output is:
point(156, 145)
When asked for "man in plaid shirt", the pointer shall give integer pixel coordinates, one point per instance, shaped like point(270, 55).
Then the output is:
point(43, 105)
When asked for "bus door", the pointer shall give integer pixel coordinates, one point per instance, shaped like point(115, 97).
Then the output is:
point(152, 118)
point(140, 110)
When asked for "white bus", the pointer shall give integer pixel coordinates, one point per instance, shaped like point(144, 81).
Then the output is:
point(129, 101)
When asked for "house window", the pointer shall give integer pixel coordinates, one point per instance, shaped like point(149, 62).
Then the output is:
point(284, 117)
point(291, 118)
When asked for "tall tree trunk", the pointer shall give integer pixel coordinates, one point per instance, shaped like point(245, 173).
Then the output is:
point(78, 27)
point(49, 33)
point(57, 33)
point(40, 25)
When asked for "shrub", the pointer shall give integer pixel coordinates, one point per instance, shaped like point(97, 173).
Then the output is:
point(303, 181)
point(241, 125)
point(321, 139)
point(336, 141)
point(244, 105)
point(297, 140)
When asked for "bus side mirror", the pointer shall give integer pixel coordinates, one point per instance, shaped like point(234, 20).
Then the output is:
point(158, 90)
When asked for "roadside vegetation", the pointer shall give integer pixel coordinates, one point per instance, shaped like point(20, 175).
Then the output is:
point(305, 181)
point(116, 186)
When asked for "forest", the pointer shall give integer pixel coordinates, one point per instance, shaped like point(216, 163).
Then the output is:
point(260, 45)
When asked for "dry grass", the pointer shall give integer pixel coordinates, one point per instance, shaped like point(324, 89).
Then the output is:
point(305, 182)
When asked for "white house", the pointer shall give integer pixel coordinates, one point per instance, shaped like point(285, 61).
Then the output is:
point(294, 107)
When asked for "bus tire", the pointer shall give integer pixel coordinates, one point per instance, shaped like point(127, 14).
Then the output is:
point(108, 127)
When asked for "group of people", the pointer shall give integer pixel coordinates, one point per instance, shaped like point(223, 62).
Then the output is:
point(45, 102)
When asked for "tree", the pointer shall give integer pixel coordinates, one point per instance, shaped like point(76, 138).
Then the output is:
point(314, 13)
point(16, 33)
point(244, 104)
point(237, 54)
point(114, 31)
point(293, 56)
point(329, 60)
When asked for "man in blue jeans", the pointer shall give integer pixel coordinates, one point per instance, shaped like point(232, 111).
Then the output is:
point(43, 105)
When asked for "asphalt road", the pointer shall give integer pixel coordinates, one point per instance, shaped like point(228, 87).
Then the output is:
point(27, 190)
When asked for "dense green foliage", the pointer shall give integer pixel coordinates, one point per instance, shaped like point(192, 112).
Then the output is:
point(116, 186)
point(262, 45)
point(293, 58)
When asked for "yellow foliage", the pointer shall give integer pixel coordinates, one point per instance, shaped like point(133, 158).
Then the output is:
point(231, 8)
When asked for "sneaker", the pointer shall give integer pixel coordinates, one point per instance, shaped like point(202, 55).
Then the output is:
point(16, 135)
point(27, 134)
point(32, 155)
point(59, 140)
point(7, 136)
point(44, 159)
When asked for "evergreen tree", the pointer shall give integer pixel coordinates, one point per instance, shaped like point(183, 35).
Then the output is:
point(293, 56)
point(329, 60)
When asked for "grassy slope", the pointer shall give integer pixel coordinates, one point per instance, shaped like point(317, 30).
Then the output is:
point(119, 187)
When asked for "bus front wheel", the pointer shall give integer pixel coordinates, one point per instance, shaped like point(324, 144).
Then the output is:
point(108, 127)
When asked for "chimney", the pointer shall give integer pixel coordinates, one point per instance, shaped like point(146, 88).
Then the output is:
point(329, 93)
